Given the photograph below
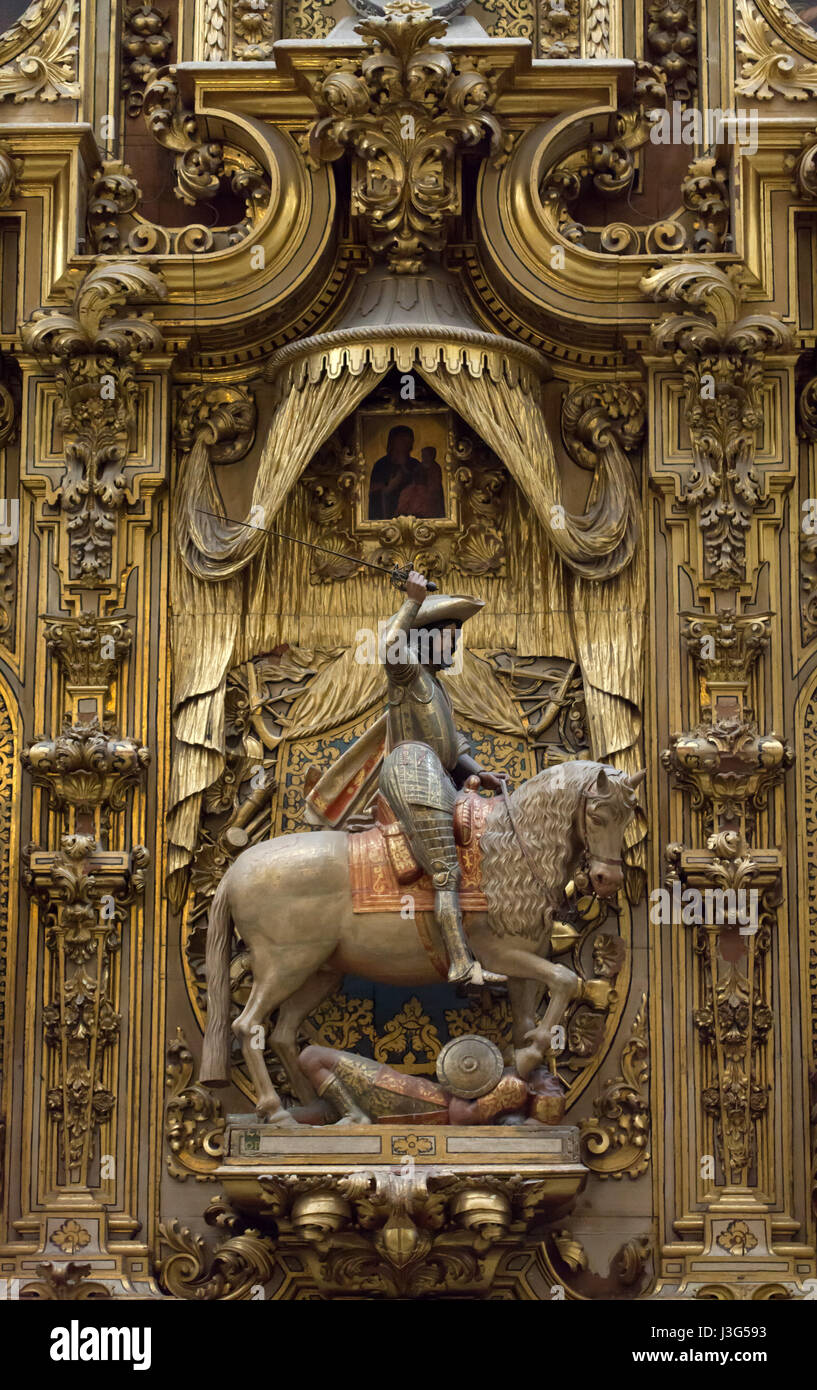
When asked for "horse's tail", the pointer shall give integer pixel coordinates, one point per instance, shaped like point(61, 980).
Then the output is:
point(215, 1057)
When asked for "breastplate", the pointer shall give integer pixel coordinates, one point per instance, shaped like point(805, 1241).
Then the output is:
point(422, 712)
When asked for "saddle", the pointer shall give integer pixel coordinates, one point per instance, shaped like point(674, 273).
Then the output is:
point(382, 864)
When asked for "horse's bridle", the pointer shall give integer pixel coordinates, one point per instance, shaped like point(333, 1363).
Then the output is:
point(528, 853)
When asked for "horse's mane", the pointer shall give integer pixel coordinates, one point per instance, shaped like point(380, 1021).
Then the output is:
point(544, 809)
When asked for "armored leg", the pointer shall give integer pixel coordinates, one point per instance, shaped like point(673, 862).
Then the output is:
point(420, 792)
point(433, 844)
point(342, 1100)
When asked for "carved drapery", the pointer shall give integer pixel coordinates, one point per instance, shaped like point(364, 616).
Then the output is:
point(219, 617)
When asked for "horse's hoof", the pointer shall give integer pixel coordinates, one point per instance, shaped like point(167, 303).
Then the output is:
point(527, 1059)
point(281, 1118)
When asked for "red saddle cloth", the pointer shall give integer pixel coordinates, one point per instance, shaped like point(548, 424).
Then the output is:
point(382, 865)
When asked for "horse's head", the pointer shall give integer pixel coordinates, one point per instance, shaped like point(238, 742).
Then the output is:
point(608, 807)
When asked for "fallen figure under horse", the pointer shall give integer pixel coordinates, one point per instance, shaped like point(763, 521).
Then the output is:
point(290, 900)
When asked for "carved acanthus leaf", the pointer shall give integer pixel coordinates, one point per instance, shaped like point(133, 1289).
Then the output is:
point(45, 68)
point(407, 111)
point(769, 66)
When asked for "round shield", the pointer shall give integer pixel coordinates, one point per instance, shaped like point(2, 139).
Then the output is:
point(469, 1067)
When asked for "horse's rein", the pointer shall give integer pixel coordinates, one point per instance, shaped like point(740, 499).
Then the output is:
point(532, 864)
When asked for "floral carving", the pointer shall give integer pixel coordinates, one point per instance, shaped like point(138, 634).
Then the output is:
point(769, 66)
point(194, 1122)
point(83, 893)
point(87, 766)
point(44, 67)
point(93, 351)
point(672, 44)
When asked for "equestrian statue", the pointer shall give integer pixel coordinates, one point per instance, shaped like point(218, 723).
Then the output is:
point(485, 875)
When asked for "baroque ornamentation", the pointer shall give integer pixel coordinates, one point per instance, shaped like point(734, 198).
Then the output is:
point(145, 44)
point(93, 352)
point(727, 765)
point(307, 19)
point(194, 1122)
point(83, 893)
point(87, 766)
point(383, 1233)
point(616, 1141)
point(672, 44)
point(11, 168)
point(114, 193)
point(733, 1016)
point(200, 164)
point(43, 57)
point(407, 111)
point(724, 647)
point(89, 650)
point(606, 169)
point(67, 1282)
point(721, 356)
point(769, 66)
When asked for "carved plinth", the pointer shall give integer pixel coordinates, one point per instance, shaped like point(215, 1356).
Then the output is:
point(381, 1211)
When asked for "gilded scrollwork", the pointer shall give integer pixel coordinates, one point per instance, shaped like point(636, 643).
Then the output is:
point(194, 1121)
point(386, 1233)
point(39, 54)
point(733, 1018)
point(721, 354)
point(727, 765)
point(202, 167)
point(770, 67)
point(65, 1282)
point(616, 1141)
point(83, 894)
point(407, 111)
point(92, 352)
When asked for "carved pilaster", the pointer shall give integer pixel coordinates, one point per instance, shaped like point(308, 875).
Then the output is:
point(726, 894)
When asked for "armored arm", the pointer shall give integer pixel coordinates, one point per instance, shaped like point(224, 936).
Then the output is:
point(395, 652)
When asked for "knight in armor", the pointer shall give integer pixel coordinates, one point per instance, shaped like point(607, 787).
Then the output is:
point(427, 759)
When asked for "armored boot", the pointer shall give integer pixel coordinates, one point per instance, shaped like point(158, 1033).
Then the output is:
point(422, 796)
point(463, 968)
point(342, 1101)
